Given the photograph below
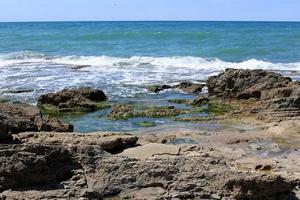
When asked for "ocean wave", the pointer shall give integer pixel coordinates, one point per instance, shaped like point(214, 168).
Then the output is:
point(118, 77)
point(181, 62)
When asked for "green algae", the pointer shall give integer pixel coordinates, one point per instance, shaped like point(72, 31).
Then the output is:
point(56, 111)
point(124, 112)
point(146, 124)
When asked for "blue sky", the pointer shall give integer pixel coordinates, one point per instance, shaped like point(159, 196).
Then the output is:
point(84, 10)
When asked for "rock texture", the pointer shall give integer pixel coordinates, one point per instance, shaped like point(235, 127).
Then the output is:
point(126, 111)
point(108, 142)
point(82, 169)
point(244, 84)
point(16, 118)
point(83, 98)
point(277, 95)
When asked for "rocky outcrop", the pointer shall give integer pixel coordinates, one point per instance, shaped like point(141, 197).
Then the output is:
point(244, 84)
point(82, 169)
point(16, 118)
point(185, 86)
point(275, 93)
point(84, 98)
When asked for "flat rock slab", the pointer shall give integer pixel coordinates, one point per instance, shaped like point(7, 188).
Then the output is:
point(152, 149)
point(112, 143)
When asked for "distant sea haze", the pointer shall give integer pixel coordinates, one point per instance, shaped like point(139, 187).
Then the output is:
point(120, 57)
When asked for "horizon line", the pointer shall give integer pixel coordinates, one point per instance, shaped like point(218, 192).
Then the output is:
point(47, 21)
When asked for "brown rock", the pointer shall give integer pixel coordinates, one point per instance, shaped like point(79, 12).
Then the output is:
point(244, 84)
point(69, 99)
point(16, 118)
point(189, 87)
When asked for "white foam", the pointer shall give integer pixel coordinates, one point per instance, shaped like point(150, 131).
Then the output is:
point(185, 62)
point(115, 74)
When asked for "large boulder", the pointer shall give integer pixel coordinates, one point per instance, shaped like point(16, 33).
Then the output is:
point(273, 91)
point(16, 118)
point(83, 98)
point(245, 84)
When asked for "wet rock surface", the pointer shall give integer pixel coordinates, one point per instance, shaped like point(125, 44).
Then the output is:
point(84, 98)
point(16, 118)
point(126, 111)
point(185, 86)
point(189, 87)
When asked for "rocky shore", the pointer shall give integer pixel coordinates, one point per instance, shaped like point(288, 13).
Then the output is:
point(42, 159)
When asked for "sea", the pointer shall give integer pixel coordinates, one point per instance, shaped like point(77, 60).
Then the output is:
point(123, 58)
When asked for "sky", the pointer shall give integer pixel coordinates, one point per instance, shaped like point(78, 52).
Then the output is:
point(137, 10)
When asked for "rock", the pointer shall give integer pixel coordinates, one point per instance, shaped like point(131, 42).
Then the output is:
point(200, 100)
point(29, 165)
point(152, 149)
point(76, 167)
point(189, 87)
point(124, 112)
point(84, 98)
point(18, 91)
point(244, 84)
point(158, 88)
point(277, 97)
point(111, 143)
point(16, 118)
point(185, 86)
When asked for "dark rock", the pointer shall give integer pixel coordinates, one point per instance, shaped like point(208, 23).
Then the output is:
point(185, 86)
point(189, 87)
point(16, 118)
point(277, 96)
point(244, 84)
point(200, 100)
point(158, 88)
point(28, 165)
point(83, 98)
point(18, 91)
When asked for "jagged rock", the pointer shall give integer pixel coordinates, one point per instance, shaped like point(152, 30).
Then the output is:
point(244, 84)
point(16, 118)
point(83, 98)
point(275, 93)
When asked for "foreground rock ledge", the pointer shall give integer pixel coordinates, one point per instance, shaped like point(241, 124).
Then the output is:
point(69, 166)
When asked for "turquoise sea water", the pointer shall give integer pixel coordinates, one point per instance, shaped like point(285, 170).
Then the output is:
point(123, 58)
